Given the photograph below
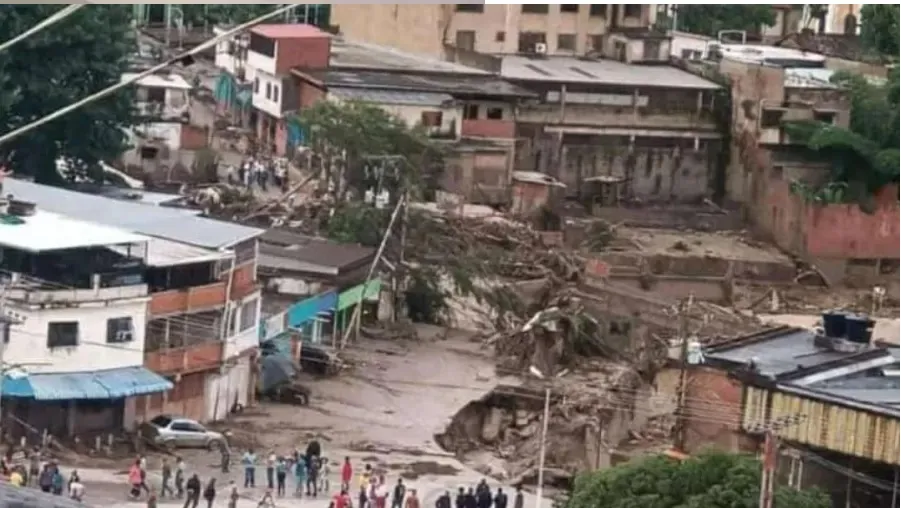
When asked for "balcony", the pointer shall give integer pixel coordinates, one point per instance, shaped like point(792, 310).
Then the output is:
point(242, 341)
point(184, 360)
point(102, 287)
point(206, 297)
point(487, 128)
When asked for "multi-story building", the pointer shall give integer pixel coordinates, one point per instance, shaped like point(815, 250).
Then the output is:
point(202, 323)
point(567, 29)
point(73, 359)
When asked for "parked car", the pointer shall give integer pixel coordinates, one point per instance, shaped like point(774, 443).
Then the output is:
point(175, 432)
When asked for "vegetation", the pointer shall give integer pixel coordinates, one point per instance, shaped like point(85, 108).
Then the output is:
point(864, 156)
point(710, 19)
point(879, 29)
point(711, 480)
point(81, 55)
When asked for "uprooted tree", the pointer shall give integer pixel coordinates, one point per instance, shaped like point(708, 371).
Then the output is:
point(83, 54)
point(709, 480)
point(864, 157)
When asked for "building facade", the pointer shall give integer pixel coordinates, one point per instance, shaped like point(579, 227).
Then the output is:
point(564, 29)
point(202, 316)
point(77, 299)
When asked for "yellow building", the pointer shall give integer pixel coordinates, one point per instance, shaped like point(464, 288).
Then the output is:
point(569, 29)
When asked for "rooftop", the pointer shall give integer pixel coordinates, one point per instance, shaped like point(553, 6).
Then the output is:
point(565, 69)
point(46, 231)
point(165, 253)
point(453, 84)
point(805, 77)
point(282, 249)
point(394, 97)
point(346, 54)
point(288, 31)
point(158, 221)
point(758, 53)
point(160, 80)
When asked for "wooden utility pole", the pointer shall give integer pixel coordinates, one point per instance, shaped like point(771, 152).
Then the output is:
point(679, 436)
point(771, 457)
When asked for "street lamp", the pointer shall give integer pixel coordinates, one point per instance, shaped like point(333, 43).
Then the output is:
point(535, 371)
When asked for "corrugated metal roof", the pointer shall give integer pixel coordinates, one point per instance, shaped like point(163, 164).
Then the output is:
point(775, 355)
point(391, 97)
point(104, 384)
point(564, 69)
point(158, 221)
point(47, 231)
point(162, 81)
point(803, 77)
point(162, 253)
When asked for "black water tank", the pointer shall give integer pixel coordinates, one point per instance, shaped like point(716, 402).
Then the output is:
point(834, 323)
point(859, 328)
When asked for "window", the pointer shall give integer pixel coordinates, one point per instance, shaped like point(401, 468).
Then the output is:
point(569, 7)
point(256, 85)
point(156, 94)
point(262, 45)
point(248, 315)
point(535, 8)
point(268, 90)
point(275, 96)
point(431, 119)
point(691, 54)
point(500, 36)
point(495, 113)
point(771, 118)
point(149, 153)
point(598, 10)
point(651, 50)
point(824, 116)
point(62, 334)
point(632, 11)
point(119, 330)
point(566, 42)
point(596, 42)
point(466, 39)
point(470, 111)
point(528, 40)
point(470, 7)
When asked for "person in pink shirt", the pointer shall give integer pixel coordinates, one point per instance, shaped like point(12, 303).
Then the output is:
point(347, 474)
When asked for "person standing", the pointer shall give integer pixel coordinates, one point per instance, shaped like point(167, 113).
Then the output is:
point(312, 475)
point(444, 500)
point(34, 466)
point(192, 489)
point(517, 499)
point(469, 501)
point(57, 481)
point(412, 500)
point(381, 493)
point(500, 499)
point(179, 477)
point(270, 470)
point(347, 474)
point(232, 494)
point(400, 490)
point(300, 476)
point(209, 493)
point(363, 497)
point(166, 472)
point(249, 461)
point(483, 497)
point(281, 473)
point(45, 479)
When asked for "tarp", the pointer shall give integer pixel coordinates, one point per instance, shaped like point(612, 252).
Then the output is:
point(368, 290)
point(275, 370)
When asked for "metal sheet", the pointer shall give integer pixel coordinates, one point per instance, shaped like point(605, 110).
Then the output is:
point(307, 310)
point(366, 290)
point(131, 381)
point(108, 384)
point(69, 386)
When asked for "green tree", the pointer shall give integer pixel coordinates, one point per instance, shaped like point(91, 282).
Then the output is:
point(79, 56)
point(710, 19)
point(214, 14)
point(879, 29)
point(864, 156)
point(709, 480)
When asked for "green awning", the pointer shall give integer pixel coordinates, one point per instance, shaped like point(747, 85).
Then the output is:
point(353, 295)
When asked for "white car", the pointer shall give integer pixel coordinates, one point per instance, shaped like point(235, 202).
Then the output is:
point(175, 432)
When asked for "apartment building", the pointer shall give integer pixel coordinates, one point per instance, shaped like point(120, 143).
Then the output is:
point(202, 317)
point(77, 300)
point(774, 85)
point(566, 29)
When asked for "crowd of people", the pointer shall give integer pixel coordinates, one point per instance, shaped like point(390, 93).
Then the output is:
point(44, 475)
point(260, 172)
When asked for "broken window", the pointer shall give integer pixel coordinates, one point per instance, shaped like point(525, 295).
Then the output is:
point(62, 334)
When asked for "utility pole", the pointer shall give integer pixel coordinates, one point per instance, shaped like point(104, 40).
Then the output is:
point(167, 16)
point(771, 457)
point(545, 420)
point(684, 307)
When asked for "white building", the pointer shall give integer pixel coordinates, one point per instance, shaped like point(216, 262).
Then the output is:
point(162, 95)
point(75, 352)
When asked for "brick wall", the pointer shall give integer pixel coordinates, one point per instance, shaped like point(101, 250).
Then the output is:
point(303, 52)
point(713, 412)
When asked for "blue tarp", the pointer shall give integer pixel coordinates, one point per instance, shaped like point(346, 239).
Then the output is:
point(307, 310)
point(104, 384)
point(276, 369)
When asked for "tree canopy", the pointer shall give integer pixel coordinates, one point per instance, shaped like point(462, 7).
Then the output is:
point(879, 29)
point(709, 480)
point(83, 54)
point(710, 19)
point(864, 156)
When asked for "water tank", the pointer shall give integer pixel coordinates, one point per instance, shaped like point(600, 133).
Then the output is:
point(859, 329)
point(834, 323)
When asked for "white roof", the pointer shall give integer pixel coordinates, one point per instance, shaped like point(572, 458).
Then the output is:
point(566, 69)
point(47, 231)
point(157, 80)
point(760, 53)
point(163, 253)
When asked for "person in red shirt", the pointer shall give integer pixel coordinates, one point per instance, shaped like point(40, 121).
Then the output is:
point(341, 500)
point(347, 474)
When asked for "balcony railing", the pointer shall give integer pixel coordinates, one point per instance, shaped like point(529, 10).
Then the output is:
point(102, 287)
point(207, 297)
point(205, 356)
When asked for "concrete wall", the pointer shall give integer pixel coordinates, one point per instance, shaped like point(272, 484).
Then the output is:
point(713, 412)
point(425, 29)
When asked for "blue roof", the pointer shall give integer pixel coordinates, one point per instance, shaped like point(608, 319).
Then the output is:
point(104, 384)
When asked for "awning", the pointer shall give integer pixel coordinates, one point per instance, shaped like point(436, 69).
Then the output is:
point(365, 291)
point(104, 384)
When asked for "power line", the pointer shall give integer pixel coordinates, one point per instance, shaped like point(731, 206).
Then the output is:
point(137, 77)
point(48, 21)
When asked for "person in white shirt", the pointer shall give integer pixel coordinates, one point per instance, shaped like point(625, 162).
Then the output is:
point(76, 490)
